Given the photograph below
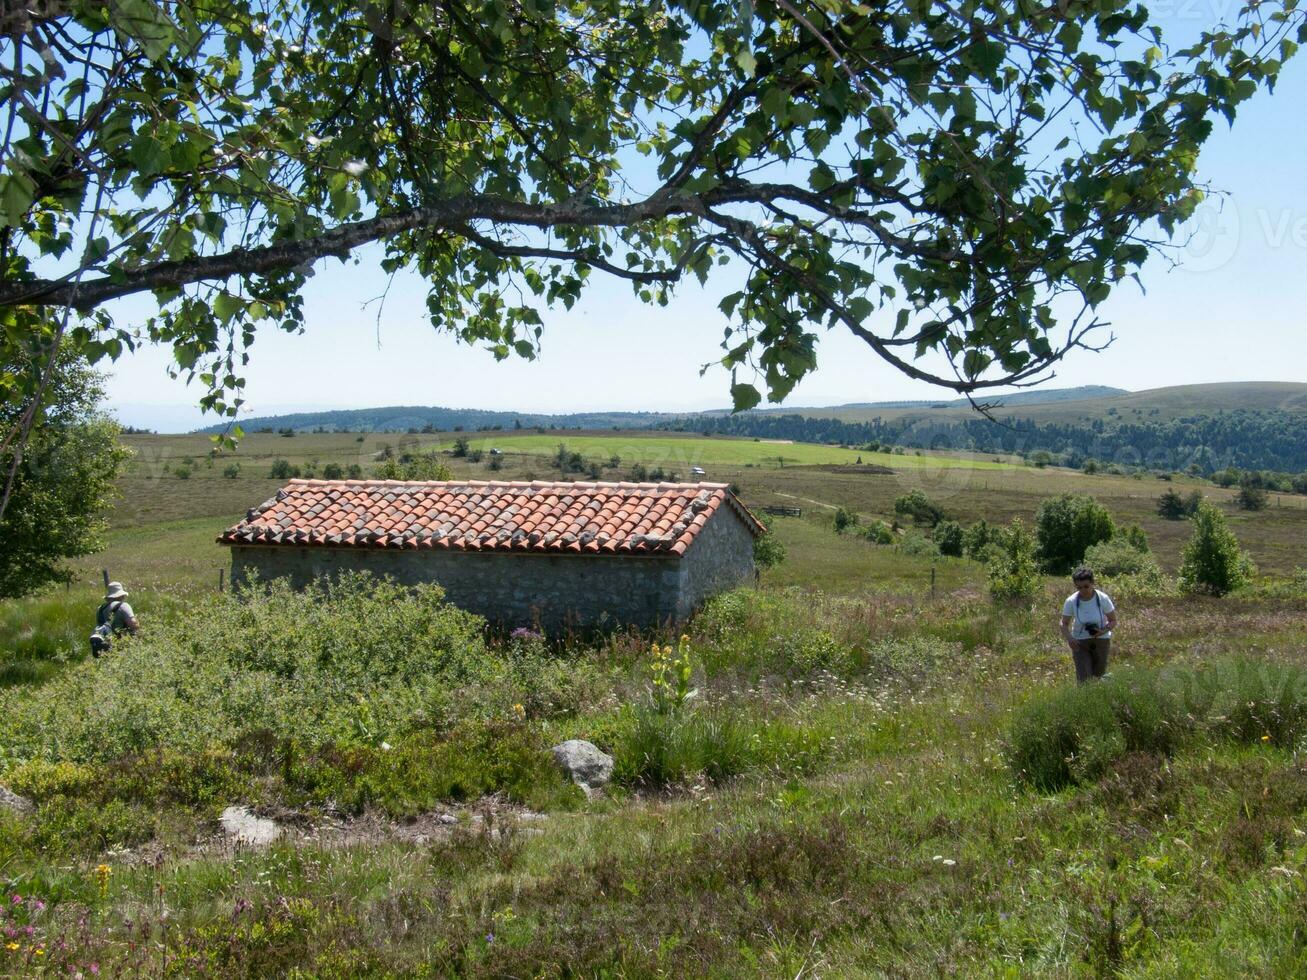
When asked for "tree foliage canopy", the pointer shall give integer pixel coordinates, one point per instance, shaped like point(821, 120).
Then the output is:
point(1067, 526)
point(965, 179)
point(65, 479)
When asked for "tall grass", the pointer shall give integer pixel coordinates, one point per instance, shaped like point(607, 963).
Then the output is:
point(1074, 734)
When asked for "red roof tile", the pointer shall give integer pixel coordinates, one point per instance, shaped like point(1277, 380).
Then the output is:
point(474, 515)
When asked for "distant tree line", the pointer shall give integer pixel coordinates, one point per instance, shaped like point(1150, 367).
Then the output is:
point(1207, 444)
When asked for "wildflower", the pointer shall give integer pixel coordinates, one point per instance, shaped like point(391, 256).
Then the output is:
point(490, 937)
point(386, 746)
point(1266, 738)
point(12, 947)
point(520, 712)
point(17, 899)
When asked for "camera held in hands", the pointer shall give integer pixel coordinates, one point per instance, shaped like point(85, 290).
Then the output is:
point(1093, 629)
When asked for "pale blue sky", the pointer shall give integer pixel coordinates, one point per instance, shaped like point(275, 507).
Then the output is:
point(1234, 311)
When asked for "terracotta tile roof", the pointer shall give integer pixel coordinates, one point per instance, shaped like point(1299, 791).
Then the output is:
point(596, 518)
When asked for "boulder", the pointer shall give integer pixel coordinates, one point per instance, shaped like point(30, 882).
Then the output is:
point(241, 824)
point(584, 764)
point(10, 800)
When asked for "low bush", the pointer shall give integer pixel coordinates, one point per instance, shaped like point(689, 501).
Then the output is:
point(948, 537)
point(918, 545)
point(920, 508)
point(1120, 558)
point(653, 749)
point(878, 532)
point(1074, 734)
point(1212, 562)
point(1013, 571)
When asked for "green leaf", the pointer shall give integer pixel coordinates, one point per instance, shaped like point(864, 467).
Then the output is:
point(17, 193)
point(744, 397)
point(226, 306)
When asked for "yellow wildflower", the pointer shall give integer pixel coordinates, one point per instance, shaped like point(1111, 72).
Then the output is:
point(1266, 738)
point(520, 712)
point(12, 946)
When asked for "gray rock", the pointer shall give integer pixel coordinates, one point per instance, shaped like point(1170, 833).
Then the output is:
point(239, 822)
point(584, 764)
point(10, 800)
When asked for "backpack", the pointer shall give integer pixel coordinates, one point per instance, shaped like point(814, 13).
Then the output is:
point(102, 635)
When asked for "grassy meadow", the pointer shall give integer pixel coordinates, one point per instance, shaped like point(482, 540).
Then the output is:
point(879, 773)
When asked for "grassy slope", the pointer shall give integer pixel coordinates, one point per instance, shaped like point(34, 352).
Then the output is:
point(1192, 866)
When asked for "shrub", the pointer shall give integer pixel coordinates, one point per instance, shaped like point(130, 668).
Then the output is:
point(460, 447)
point(1013, 571)
point(977, 539)
point(351, 661)
point(424, 466)
point(282, 470)
point(1251, 498)
point(916, 544)
point(878, 532)
point(658, 750)
point(1073, 734)
point(1212, 562)
point(768, 551)
point(916, 505)
point(183, 471)
point(1175, 506)
point(1135, 536)
point(1067, 526)
point(355, 471)
point(948, 538)
point(1120, 557)
point(845, 519)
point(232, 471)
point(333, 471)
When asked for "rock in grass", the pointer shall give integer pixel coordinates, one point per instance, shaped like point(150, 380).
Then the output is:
point(240, 823)
point(9, 800)
point(584, 763)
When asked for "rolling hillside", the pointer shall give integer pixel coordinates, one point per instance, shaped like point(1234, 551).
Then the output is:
point(1155, 403)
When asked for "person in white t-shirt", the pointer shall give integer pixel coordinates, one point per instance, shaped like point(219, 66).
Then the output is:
point(1088, 618)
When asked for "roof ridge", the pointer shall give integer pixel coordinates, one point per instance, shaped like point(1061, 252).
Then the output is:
point(587, 484)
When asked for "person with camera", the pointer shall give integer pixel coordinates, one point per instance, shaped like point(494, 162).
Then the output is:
point(1088, 618)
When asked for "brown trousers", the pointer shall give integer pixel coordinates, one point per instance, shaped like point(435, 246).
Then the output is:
point(1090, 656)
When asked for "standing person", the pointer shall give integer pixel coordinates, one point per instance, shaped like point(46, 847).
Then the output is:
point(1088, 618)
point(113, 618)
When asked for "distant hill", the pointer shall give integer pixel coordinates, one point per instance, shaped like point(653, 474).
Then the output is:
point(401, 418)
point(1068, 404)
point(1016, 398)
point(1252, 425)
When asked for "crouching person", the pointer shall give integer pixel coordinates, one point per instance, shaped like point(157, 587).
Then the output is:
point(1088, 618)
point(114, 618)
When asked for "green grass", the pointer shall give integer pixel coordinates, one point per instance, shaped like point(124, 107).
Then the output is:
point(839, 799)
point(680, 453)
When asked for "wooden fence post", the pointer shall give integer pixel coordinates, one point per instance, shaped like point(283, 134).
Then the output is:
point(105, 572)
point(932, 581)
point(221, 573)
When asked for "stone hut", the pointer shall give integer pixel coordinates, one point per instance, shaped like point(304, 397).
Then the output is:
point(553, 555)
